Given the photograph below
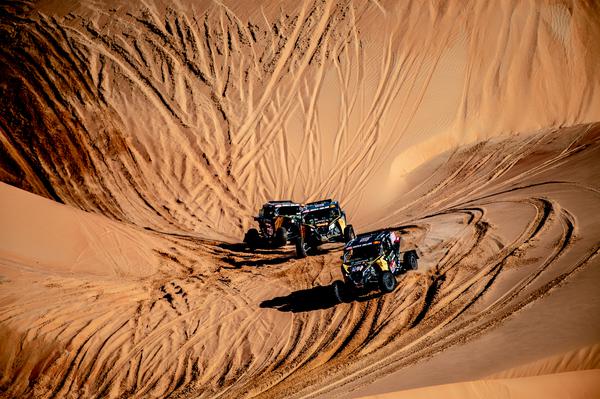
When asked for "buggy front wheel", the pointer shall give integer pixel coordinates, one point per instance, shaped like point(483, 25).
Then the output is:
point(349, 233)
point(301, 247)
point(341, 292)
point(387, 282)
point(252, 238)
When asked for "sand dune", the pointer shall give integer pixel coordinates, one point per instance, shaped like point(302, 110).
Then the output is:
point(582, 384)
point(60, 239)
point(155, 131)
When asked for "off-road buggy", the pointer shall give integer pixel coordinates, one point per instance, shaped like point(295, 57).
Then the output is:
point(322, 222)
point(373, 260)
point(278, 223)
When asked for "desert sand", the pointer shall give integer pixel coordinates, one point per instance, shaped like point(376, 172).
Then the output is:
point(138, 139)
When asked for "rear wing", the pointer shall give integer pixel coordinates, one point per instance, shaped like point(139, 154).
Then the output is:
point(317, 205)
point(374, 236)
point(328, 200)
point(279, 204)
point(283, 202)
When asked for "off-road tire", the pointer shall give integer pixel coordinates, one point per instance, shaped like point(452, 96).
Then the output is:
point(387, 281)
point(280, 237)
point(349, 233)
point(341, 292)
point(252, 239)
point(301, 247)
point(410, 260)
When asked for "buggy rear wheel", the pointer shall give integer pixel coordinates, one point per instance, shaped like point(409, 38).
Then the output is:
point(281, 237)
point(349, 233)
point(410, 260)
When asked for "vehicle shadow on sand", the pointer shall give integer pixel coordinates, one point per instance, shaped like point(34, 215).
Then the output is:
point(243, 248)
point(236, 264)
point(319, 297)
point(316, 298)
point(255, 257)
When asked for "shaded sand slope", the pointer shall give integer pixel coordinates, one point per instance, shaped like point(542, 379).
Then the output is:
point(582, 384)
point(162, 127)
point(217, 320)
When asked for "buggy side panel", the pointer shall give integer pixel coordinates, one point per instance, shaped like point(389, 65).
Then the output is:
point(342, 222)
point(383, 264)
point(278, 222)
